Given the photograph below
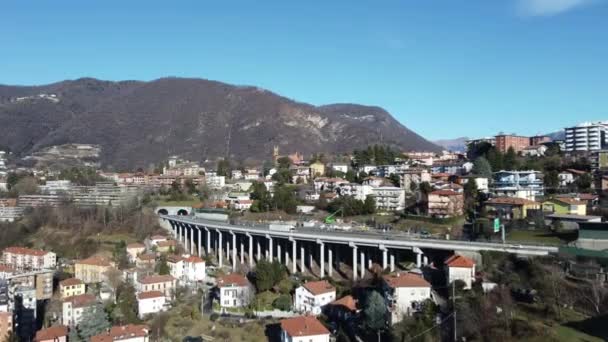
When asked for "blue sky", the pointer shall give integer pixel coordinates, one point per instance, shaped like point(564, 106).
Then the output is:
point(443, 68)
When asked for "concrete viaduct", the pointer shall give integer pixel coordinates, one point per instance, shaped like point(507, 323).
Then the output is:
point(243, 245)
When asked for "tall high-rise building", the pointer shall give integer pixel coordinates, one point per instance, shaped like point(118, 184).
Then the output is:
point(587, 137)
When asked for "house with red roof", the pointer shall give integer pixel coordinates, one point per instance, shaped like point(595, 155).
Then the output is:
point(235, 290)
point(342, 309)
point(57, 333)
point(459, 267)
point(303, 328)
point(194, 269)
point(312, 296)
point(445, 203)
point(21, 258)
point(151, 302)
point(163, 283)
point(129, 332)
point(74, 307)
point(404, 293)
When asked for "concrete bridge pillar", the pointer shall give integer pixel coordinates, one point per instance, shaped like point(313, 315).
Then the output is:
point(199, 236)
point(330, 263)
point(392, 262)
point(425, 260)
point(242, 245)
point(220, 251)
point(250, 250)
point(322, 258)
point(192, 246)
point(233, 251)
point(259, 250)
point(302, 258)
point(362, 264)
point(269, 248)
point(384, 258)
point(294, 257)
point(208, 241)
point(354, 262)
point(279, 251)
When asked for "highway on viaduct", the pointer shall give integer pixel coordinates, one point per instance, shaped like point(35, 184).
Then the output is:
point(323, 247)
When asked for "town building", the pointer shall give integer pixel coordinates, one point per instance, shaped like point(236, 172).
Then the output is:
point(235, 290)
point(534, 151)
point(71, 287)
point(586, 137)
point(522, 184)
point(481, 182)
point(313, 295)
point(445, 203)
point(317, 169)
point(194, 269)
point(125, 333)
point(215, 182)
point(537, 140)
point(93, 269)
point(28, 259)
point(164, 283)
point(166, 246)
point(461, 268)
point(303, 329)
point(342, 309)
point(355, 190)
point(41, 281)
point(135, 249)
point(404, 293)
point(6, 271)
point(512, 208)
point(145, 260)
point(57, 333)
point(9, 210)
point(74, 307)
point(388, 198)
point(151, 302)
point(506, 141)
point(565, 206)
point(176, 266)
point(456, 168)
point(410, 179)
point(340, 167)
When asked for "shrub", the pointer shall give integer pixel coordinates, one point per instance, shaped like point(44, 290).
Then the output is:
point(283, 303)
point(214, 317)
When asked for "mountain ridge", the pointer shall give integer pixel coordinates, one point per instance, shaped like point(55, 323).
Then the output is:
point(139, 123)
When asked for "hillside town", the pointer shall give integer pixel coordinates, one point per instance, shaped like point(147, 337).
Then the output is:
point(506, 189)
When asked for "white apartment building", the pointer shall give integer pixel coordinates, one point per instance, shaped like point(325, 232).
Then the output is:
point(164, 283)
point(357, 191)
point(235, 290)
point(404, 293)
point(462, 268)
point(340, 167)
point(194, 269)
point(176, 266)
point(74, 307)
point(215, 182)
point(21, 258)
point(521, 184)
point(303, 329)
point(312, 296)
point(587, 137)
point(150, 302)
point(389, 198)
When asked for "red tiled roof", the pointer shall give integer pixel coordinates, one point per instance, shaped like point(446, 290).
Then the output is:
point(136, 245)
point(95, 261)
point(510, 201)
point(123, 332)
point(158, 237)
point(146, 257)
point(568, 200)
point(303, 326)
point(445, 193)
point(459, 261)
point(193, 259)
point(155, 279)
point(232, 279)
point(25, 251)
point(150, 294)
point(347, 301)
point(167, 243)
point(51, 333)
point(173, 258)
point(319, 287)
point(70, 282)
point(405, 280)
point(81, 300)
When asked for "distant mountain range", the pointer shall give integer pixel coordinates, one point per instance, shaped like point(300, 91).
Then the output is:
point(141, 123)
point(454, 145)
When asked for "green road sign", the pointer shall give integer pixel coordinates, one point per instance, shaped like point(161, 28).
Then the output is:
point(496, 225)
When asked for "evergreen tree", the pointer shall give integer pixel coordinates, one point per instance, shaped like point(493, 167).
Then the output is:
point(481, 167)
point(162, 267)
point(374, 312)
point(94, 321)
point(224, 168)
point(510, 161)
point(127, 302)
point(471, 194)
point(73, 336)
point(369, 206)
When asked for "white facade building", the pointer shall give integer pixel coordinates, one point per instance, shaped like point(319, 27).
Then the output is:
point(194, 269)
point(587, 137)
point(235, 291)
point(21, 258)
point(520, 184)
point(74, 307)
point(303, 329)
point(313, 295)
point(404, 293)
point(150, 302)
point(461, 268)
point(215, 182)
point(389, 198)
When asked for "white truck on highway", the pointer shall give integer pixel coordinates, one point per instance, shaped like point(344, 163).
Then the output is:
point(281, 227)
